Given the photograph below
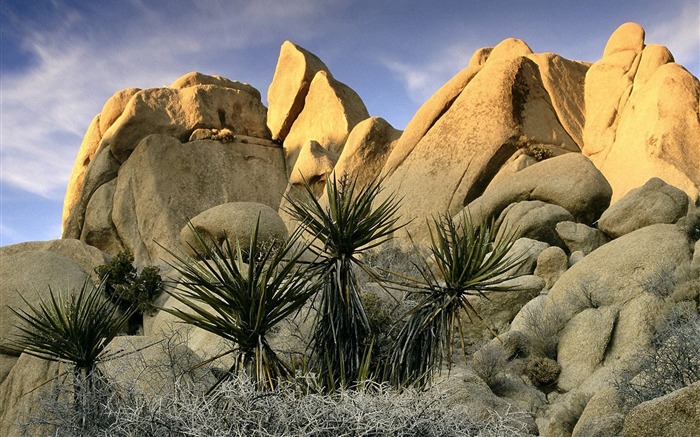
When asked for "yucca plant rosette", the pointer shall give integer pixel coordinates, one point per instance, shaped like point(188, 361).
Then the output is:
point(75, 329)
point(241, 296)
point(351, 224)
point(466, 260)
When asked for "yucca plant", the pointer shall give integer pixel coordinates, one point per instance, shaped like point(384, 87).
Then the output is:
point(341, 232)
point(247, 300)
point(467, 261)
point(74, 329)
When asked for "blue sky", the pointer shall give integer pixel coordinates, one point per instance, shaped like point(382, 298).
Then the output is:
point(61, 60)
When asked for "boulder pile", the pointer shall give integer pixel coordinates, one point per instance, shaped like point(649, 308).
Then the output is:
point(594, 168)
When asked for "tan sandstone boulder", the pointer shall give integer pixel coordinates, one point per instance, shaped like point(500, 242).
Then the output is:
point(195, 78)
point(165, 183)
point(235, 222)
point(570, 181)
point(296, 68)
point(642, 116)
point(460, 139)
point(331, 111)
point(367, 149)
point(654, 202)
point(674, 415)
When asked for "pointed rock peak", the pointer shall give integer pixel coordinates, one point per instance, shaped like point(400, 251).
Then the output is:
point(510, 48)
point(296, 67)
point(480, 56)
point(629, 36)
point(196, 78)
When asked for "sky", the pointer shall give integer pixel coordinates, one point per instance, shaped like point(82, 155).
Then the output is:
point(60, 61)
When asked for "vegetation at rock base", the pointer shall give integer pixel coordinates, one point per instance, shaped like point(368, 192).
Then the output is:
point(74, 329)
point(351, 225)
point(243, 302)
point(129, 288)
point(468, 261)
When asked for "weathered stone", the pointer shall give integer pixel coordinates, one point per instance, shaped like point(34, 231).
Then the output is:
point(532, 219)
point(674, 415)
point(178, 112)
point(331, 111)
point(27, 275)
point(509, 48)
point(235, 222)
point(570, 181)
point(579, 237)
point(526, 251)
point(98, 227)
point(602, 416)
point(551, 264)
point(85, 256)
point(313, 165)
point(654, 202)
point(582, 345)
point(296, 68)
point(165, 182)
point(642, 116)
point(367, 148)
point(195, 78)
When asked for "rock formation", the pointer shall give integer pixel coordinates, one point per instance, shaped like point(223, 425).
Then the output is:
point(595, 168)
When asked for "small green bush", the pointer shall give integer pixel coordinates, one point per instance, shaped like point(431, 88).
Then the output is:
point(125, 286)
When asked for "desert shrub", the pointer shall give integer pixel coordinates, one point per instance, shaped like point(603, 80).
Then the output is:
point(490, 363)
point(467, 260)
point(542, 371)
point(240, 410)
point(672, 363)
point(248, 300)
point(129, 288)
point(542, 330)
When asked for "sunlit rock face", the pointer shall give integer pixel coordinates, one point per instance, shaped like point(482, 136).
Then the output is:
point(506, 101)
point(642, 115)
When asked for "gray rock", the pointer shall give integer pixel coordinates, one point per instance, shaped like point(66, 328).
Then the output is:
point(674, 415)
point(579, 237)
point(526, 250)
point(551, 264)
point(575, 257)
point(582, 345)
point(652, 203)
point(533, 219)
point(235, 222)
point(602, 416)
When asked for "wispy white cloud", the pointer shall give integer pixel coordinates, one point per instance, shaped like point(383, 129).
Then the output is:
point(80, 60)
point(681, 35)
point(423, 78)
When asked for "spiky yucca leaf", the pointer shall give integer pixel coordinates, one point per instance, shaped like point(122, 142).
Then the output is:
point(351, 224)
point(467, 261)
point(247, 300)
point(72, 328)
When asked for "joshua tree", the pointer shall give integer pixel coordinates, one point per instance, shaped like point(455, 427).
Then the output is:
point(246, 300)
point(342, 231)
point(466, 261)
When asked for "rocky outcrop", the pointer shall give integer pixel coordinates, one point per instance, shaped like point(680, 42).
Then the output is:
point(295, 69)
point(642, 115)
point(331, 110)
point(674, 415)
point(460, 138)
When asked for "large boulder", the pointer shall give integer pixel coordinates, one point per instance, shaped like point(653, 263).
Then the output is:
point(654, 202)
point(579, 237)
point(642, 116)
point(331, 111)
point(235, 222)
point(296, 68)
point(570, 181)
point(367, 149)
point(194, 101)
point(165, 183)
point(532, 219)
point(460, 139)
point(674, 415)
point(28, 275)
